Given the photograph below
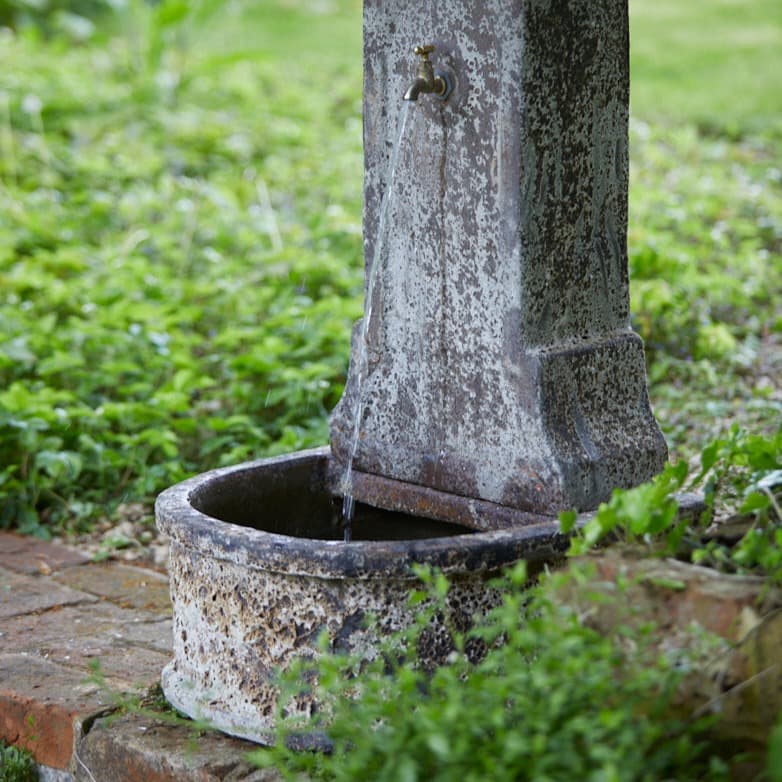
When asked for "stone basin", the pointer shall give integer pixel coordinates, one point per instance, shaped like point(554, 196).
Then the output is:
point(258, 570)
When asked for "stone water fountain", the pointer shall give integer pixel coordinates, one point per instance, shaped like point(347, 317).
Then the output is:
point(494, 380)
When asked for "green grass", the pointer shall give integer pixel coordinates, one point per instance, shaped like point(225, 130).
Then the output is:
point(714, 63)
point(181, 259)
point(717, 63)
point(316, 34)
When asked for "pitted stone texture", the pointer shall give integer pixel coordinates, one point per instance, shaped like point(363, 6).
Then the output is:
point(502, 280)
point(236, 627)
point(249, 601)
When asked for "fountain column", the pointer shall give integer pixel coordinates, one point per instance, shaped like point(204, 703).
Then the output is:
point(502, 368)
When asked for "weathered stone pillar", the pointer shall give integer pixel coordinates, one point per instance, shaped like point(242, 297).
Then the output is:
point(501, 363)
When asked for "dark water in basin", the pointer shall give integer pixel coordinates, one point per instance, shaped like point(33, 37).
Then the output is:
point(294, 504)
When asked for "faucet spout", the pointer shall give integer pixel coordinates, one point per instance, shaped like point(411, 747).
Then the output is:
point(418, 86)
point(427, 80)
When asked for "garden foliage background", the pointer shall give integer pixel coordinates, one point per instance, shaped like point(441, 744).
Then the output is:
point(180, 234)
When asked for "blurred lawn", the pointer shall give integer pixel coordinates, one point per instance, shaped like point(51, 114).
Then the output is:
point(181, 254)
point(716, 63)
point(311, 33)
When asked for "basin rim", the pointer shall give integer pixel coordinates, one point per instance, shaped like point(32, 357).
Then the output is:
point(273, 552)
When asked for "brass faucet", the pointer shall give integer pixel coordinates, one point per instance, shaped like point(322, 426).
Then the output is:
point(427, 79)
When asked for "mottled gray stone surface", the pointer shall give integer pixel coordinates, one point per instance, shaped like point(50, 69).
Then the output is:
point(254, 584)
point(501, 364)
point(48, 774)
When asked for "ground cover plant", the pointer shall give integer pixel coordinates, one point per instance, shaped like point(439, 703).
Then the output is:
point(180, 268)
point(556, 696)
point(180, 254)
point(16, 765)
point(552, 699)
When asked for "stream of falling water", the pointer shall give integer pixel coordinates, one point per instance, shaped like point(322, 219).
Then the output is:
point(348, 501)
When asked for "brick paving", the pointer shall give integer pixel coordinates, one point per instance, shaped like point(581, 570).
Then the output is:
point(77, 639)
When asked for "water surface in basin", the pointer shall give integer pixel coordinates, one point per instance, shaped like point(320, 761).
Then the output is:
point(302, 508)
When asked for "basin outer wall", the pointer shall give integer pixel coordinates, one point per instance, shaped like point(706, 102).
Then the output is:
point(248, 602)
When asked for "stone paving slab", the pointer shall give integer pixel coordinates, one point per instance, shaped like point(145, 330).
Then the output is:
point(125, 669)
point(138, 748)
point(43, 706)
point(31, 555)
point(125, 585)
point(76, 639)
point(73, 643)
point(25, 594)
point(122, 669)
point(34, 632)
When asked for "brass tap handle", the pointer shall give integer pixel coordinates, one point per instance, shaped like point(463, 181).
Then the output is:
point(424, 51)
point(427, 80)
